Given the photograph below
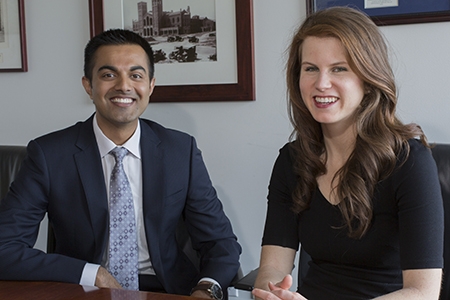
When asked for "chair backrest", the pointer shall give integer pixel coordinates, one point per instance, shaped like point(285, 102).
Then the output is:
point(441, 154)
point(11, 158)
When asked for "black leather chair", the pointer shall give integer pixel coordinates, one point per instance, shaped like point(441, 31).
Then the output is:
point(441, 154)
point(11, 158)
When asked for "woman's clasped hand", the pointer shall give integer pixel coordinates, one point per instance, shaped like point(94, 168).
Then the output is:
point(278, 291)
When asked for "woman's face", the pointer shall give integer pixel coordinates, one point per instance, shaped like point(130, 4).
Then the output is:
point(330, 89)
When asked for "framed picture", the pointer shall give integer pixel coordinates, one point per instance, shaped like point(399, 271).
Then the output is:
point(13, 49)
point(392, 12)
point(203, 48)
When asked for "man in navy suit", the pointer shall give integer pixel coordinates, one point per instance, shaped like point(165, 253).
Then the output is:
point(66, 174)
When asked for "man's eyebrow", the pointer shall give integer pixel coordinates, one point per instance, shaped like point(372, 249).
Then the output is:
point(134, 68)
point(114, 69)
point(107, 67)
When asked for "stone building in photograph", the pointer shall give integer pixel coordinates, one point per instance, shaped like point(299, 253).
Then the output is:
point(158, 22)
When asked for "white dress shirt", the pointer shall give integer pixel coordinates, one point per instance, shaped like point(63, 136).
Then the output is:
point(133, 168)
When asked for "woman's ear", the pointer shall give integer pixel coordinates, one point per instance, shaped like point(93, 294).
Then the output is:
point(367, 89)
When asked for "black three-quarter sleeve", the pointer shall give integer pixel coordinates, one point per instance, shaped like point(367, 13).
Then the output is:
point(420, 211)
point(281, 226)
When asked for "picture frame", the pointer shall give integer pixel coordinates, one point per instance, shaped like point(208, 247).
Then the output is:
point(392, 12)
point(13, 49)
point(241, 90)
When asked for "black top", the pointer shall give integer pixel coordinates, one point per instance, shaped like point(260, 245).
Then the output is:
point(406, 230)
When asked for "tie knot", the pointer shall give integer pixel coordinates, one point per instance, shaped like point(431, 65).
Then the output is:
point(119, 153)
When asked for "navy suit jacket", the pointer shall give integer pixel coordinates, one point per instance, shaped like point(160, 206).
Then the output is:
point(63, 175)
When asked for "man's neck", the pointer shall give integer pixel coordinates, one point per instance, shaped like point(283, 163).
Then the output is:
point(118, 135)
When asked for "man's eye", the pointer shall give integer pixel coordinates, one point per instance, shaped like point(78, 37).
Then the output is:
point(136, 76)
point(108, 75)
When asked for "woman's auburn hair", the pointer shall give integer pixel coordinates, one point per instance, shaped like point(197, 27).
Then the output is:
point(381, 136)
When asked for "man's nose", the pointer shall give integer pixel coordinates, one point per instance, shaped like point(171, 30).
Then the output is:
point(123, 84)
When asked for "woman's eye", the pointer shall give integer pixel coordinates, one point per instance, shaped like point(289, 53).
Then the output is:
point(339, 69)
point(310, 69)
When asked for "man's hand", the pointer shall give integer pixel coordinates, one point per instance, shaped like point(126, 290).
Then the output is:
point(105, 280)
point(201, 293)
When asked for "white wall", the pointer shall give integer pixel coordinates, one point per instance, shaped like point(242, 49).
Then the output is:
point(240, 141)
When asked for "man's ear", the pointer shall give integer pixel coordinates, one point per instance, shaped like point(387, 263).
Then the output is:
point(87, 86)
point(152, 85)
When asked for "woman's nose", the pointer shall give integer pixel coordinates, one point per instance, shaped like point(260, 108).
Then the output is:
point(323, 81)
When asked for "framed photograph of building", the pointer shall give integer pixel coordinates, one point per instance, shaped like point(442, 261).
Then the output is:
point(203, 49)
point(13, 53)
point(392, 12)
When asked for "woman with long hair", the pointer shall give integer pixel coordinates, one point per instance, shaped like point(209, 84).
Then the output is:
point(355, 187)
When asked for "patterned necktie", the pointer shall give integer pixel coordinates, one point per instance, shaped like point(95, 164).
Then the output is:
point(123, 249)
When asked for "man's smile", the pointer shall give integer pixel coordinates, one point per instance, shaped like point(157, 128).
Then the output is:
point(122, 100)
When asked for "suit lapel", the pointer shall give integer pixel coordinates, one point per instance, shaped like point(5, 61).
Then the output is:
point(90, 169)
point(153, 189)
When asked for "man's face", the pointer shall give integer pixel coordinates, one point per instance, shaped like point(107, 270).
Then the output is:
point(120, 87)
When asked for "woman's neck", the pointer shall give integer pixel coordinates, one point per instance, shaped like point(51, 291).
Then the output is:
point(339, 143)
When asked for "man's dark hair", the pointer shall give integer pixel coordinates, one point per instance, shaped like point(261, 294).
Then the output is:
point(115, 37)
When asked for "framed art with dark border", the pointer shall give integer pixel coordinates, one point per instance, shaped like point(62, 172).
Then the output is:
point(392, 12)
point(13, 48)
point(236, 17)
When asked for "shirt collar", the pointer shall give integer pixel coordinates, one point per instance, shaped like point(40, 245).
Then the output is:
point(105, 145)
